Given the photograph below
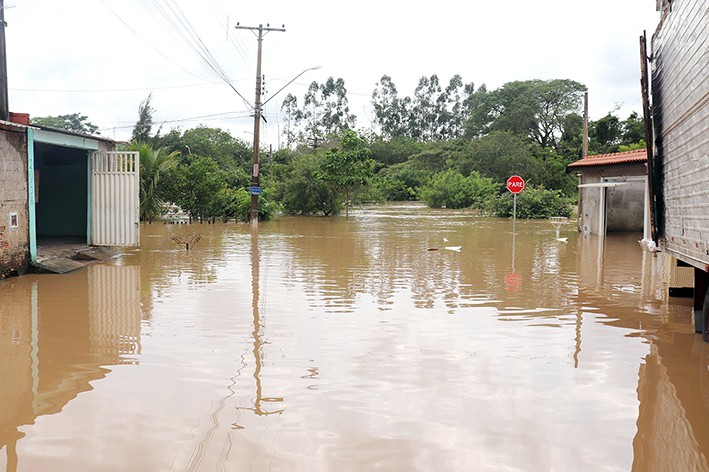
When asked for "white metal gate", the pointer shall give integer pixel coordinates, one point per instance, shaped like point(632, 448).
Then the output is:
point(115, 198)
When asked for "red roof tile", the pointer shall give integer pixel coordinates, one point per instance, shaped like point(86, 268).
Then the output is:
point(639, 155)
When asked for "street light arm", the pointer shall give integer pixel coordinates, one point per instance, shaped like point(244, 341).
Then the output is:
point(289, 82)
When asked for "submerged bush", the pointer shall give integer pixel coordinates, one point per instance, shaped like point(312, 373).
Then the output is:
point(450, 189)
point(532, 203)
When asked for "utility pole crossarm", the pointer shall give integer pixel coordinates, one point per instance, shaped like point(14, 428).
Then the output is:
point(261, 28)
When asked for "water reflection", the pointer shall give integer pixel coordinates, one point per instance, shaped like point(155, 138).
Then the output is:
point(326, 344)
point(56, 337)
point(259, 400)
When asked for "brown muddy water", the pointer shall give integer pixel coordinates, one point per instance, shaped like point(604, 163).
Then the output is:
point(319, 344)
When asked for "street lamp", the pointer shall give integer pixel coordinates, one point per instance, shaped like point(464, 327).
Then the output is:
point(255, 189)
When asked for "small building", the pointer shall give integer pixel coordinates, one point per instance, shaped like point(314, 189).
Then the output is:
point(62, 186)
point(613, 193)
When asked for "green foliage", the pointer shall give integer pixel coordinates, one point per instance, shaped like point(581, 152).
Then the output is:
point(604, 135)
point(450, 189)
point(633, 147)
point(144, 125)
point(434, 113)
point(301, 190)
point(325, 113)
point(395, 150)
point(531, 203)
point(348, 166)
point(228, 152)
point(195, 186)
point(633, 130)
point(610, 134)
point(236, 203)
point(402, 181)
point(499, 155)
point(534, 109)
point(74, 122)
point(154, 163)
point(553, 173)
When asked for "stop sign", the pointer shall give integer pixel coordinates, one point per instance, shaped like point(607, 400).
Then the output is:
point(515, 184)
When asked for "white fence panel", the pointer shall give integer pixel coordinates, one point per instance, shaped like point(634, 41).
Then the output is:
point(115, 194)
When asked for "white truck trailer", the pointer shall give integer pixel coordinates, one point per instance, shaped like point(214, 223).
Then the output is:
point(678, 139)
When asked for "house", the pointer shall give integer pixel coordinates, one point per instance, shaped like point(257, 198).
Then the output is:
point(62, 186)
point(613, 193)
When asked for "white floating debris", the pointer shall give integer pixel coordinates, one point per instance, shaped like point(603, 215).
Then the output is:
point(648, 245)
point(454, 248)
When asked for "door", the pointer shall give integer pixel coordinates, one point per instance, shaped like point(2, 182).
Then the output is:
point(115, 198)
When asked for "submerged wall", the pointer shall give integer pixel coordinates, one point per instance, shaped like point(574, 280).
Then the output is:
point(14, 233)
point(624, 205)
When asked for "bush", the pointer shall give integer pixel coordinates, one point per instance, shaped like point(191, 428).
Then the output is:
point(450, 189)
point(532, 203)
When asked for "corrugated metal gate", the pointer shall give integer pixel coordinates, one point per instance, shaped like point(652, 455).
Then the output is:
point(115, 198)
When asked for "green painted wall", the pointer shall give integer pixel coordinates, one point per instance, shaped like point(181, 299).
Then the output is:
point(62, 207)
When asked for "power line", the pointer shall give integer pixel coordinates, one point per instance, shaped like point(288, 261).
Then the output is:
point(169, 14)
point(213, 116)
point(148, 43)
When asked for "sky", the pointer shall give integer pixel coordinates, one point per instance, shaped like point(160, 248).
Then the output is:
point(102, 58)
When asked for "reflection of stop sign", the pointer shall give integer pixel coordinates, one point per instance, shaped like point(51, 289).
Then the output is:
point(515, 184)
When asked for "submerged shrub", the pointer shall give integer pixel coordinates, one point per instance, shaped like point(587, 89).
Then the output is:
point(450, 189)
point(532, 203)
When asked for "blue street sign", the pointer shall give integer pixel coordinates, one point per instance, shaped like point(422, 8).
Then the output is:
point(255, 190)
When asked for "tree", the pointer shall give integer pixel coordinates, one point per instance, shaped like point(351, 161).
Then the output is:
point(394, 150)
point(499, 155)
point(605, 135)
point(390, 112)
point(325, 113)
point(301, 189)
point(349, 166)
point(154, 163)
point(195, 186)
point(535, 109)
point(229, 152)
point(633, 131)
point(75, 122)
point(144, 125)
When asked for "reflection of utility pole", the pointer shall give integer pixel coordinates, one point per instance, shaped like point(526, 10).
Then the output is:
point(257, 350)
point(255, 179)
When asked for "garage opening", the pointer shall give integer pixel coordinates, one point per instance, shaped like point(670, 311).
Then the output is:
point(61, 192)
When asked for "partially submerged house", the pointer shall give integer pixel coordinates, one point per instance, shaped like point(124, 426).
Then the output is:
point(62, 186)
point(613, 193)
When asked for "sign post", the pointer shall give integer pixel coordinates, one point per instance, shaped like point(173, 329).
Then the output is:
point(515, 184)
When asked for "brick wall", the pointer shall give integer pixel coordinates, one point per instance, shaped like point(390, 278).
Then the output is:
point(14, 234)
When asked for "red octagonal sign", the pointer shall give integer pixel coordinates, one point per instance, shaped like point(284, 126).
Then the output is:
point(515, 184)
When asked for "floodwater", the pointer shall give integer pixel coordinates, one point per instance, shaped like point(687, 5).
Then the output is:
point(319, 344)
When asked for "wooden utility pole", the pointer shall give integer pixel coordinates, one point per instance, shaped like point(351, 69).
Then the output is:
point(4, 101)
point(585, 124)
point(255, 189)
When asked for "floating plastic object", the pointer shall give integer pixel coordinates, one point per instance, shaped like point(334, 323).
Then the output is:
point(648, 245)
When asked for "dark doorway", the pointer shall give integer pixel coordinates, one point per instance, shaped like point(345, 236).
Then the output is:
point(61, 191)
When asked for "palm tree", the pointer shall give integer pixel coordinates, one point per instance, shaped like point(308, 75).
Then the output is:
point(153, 163)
